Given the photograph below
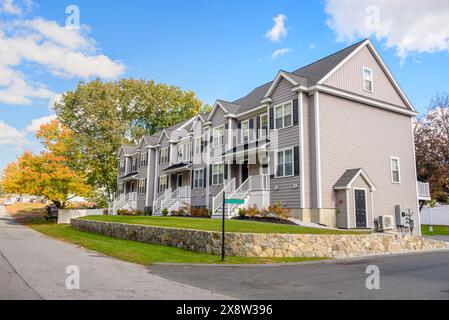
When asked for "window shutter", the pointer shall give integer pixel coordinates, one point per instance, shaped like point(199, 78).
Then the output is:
point(160, 155)
point(239, 132)
point(193, 179)
point(271, 118)
point(225, 170)
point(205, 177)
point(296, 159)
point(158, 184)
point(257, 127)
point(295, 112)
point(169, 154)
point(251, 129)
point(210, 175)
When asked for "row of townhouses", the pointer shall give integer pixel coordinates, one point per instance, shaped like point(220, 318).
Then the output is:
point(332, 141)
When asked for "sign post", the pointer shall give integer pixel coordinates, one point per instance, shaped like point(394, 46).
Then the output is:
point(223, 229)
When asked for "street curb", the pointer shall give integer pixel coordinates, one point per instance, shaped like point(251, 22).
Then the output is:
point(305, 263)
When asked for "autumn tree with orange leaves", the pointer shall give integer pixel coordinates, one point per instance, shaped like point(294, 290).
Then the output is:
point(56, 173)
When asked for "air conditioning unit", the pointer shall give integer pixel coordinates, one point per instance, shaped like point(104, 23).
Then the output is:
point(403, 217)
point(386, 223)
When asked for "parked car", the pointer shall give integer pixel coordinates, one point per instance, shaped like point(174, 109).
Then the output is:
point(52, 212)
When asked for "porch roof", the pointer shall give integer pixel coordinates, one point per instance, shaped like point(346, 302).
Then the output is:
point(347, 179)
point(180, 167)
point(129, 177)
point(260, 145)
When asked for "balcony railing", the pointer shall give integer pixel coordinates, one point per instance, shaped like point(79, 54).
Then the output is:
point(424, 191)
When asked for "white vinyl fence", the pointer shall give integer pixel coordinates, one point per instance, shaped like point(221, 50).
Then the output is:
point(438, 216)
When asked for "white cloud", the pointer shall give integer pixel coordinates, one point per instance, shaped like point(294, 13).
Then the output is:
point(8, 6)
point(11, 136)
point(279, 30)
point(280, 52)
point(37, 123)
point(410, 26)
point(64, 52)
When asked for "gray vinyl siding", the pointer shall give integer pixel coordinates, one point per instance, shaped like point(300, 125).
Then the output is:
point(288, 193)
point(350, 78)
point(342, 207)
point(151, 176)
point(162, 166)
point(355, 135)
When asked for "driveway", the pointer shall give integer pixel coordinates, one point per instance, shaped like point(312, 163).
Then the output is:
point(418, 276)
point(33, 266)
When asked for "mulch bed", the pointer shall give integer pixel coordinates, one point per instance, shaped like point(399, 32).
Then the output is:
point(266, 220)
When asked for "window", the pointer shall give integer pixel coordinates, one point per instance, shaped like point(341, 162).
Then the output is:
point(198, 145)
point(184, 152)
point(134, 164)
point(219, 136)
point(244, 134)
point(283, 115)
point(395, 170)
point(144, 159)
point(164, 155)
point(217, 174)
point(121, 189)
point(198, 179)
point(122, 166)
point(284, 163)
point(142, 186)
point(163, 184)
point(368, 79)
point(263, 130)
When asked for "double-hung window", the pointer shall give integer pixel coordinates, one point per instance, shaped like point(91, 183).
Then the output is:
point(218, 174)
point(283, 115)
point(142, 186)
point(121, 188)
point(163, 184)
point(218, 135)
point(244, 134)
point(144, 159)
point(164, 155)
point(184, 152)
point(284, 163)
point(122, 166)
point(134, 164)
point(197, 145)
point(395, 170)
point(367, 79)
point(198, 179)
point(263, 130)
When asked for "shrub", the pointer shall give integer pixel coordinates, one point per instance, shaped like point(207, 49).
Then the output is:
point(252, 212)
point(183, 211)
point(165, 212)
point(279, 211)
point(125, 212)
point(199, 212)
point(242, 212)
point(148, 212)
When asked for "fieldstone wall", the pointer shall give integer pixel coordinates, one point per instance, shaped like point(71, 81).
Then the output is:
point(264, 245)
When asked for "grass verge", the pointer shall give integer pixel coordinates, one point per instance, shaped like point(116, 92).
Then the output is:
point(215, 225)
point(437, 230)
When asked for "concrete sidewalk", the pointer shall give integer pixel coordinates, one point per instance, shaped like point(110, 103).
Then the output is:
point(33, 266)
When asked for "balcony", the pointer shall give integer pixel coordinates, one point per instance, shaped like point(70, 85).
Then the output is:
point(424, 191)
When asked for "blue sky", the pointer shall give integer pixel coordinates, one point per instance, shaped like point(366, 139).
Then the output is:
point(217, 48)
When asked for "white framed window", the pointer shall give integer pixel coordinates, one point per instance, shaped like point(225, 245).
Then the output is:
point(184, 151)
point(198, 179)
point(197, 145)
point(367, 79)
point(144, 159)
point(244, 132)
point(395, 170)
point(264, 124)
point(164, 155)
point(134, 164)
point(121, 188)
point(283, 115)
point(217, 174)
point(122, 166)
point(284, 163)
point(142, 186)
point(163, 184)
point(218, 134)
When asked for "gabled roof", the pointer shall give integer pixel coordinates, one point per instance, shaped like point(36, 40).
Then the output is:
point(128, 149)
point(347, 179)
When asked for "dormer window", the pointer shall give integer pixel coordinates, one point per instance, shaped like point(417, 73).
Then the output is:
point(367, 79)
point(219, 136)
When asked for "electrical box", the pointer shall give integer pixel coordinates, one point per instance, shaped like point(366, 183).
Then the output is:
point(403, 217)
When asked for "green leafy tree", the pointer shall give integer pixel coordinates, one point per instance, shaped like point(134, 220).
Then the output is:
point(105, 115)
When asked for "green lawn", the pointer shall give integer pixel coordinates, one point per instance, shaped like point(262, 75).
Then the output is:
point(215, 225)
point(142, 253)
point(437, 231)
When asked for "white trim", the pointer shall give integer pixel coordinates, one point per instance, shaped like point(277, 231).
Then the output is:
point(156, 174)
point(213, 173)
point(214, 109)
point(371, 79)
point(372, 210)
point(301, 150)
point(318, 148)
point(230, 136)
point(202, 178)
point(365, 176)
point(162, 134)
point(182, 180)
point(366, 206)
point(147, 193)
point(383, 66)
point(399, 169)
point(348, 207)
point(195, 145)
point(253, 110)
point(292, 149)
point(241, 133)
point(213, 135)
point(281, 74)
point(167, 185)
point(416, 177)
point(283, 115)
point(168, 155)
point(259, 129)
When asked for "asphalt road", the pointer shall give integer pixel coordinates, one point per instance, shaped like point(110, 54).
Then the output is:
point(33, 266)
point(418, 276)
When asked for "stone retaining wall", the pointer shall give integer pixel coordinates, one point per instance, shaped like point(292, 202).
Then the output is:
point(264, 245)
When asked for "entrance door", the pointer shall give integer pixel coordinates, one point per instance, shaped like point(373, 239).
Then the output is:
point(180, 178)
point(132, 188)
point(360, 208)
point(245, 171)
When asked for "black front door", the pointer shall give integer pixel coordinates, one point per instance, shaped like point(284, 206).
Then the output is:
point(360, 208)
point(245, 173)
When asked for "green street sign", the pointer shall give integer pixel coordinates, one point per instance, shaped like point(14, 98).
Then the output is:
point(234, 201)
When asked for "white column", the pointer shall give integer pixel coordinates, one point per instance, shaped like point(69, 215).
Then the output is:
point(318, 149)
point(301, 150)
